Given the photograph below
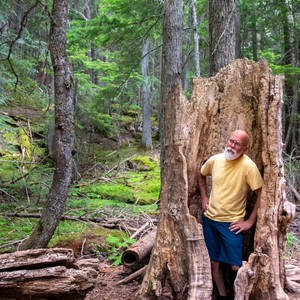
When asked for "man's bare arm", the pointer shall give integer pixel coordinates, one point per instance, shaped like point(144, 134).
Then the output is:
point(203, 192)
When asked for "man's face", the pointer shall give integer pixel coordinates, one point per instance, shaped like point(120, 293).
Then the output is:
point(235, 147)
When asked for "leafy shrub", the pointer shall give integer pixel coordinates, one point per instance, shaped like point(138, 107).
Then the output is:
point(104, 124)
point(117, 245)
point(131, 110)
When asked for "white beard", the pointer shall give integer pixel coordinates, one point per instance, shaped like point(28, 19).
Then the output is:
point(230, 154)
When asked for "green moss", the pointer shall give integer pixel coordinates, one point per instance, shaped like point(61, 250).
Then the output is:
point(24, 141)
point(137, 187)
point(15, 229)
point(110, 191)
point(144, 163)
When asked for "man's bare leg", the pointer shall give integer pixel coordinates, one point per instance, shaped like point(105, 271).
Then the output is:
point(218, 278)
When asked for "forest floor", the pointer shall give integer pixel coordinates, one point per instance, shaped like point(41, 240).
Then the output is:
point(109, 275)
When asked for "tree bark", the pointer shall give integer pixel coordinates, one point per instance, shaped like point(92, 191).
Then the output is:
point(171, 54)
point(196, 40)
point(244, 95)
point(64, 130)
point(238, 40)
point(45, 274)
point(222, 35)
point(146, 97)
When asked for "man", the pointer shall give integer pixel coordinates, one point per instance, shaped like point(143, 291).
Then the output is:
point(233, 174)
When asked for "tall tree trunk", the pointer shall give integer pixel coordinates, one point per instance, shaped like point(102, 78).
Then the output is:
point(222, 36)
point(187, 40)
point(171, 55)
point(249, 96)
point(238, 43)
point(292, 86)
point(196, 39)
point(146, 97)
point(254, 40)
point(64, 130)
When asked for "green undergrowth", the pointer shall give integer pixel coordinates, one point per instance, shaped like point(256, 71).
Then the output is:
point(93, 241)
point(125, 194)
point(119, 180)
point(139, 187)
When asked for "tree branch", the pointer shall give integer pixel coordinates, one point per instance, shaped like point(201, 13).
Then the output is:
point(19, 34)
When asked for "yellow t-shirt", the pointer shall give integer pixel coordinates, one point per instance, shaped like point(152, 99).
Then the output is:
point(231, 181)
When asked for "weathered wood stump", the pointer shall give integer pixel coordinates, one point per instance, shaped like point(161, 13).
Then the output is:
point(46, 274)
point(243, 95)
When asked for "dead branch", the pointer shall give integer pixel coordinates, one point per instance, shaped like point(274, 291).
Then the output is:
point(294, 192)
point(112, 222)
point(132, 276)
point(140, 230)
point(19, 34)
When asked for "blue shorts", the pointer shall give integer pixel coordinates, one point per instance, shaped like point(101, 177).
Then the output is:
point(223, 245)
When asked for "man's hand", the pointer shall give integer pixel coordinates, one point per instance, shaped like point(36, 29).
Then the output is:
point(204, 204)
point(240, 226)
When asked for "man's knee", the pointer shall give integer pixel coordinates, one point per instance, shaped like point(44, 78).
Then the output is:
point(215, 265)
point(235, 268)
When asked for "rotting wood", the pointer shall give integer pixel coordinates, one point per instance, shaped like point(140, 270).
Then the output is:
point(46, 273)
point(139, 251)
point(292, 278)
point(36, 258)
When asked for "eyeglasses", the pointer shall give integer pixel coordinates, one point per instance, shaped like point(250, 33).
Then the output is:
point(237, 144)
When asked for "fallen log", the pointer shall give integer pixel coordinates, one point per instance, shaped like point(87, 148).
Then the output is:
point(139, 252)
point(45, 273)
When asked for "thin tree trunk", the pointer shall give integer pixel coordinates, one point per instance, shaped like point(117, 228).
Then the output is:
point(187, 53)
point(146, 97)
point(292, 86)
point(196, 39)
point(64, 130)
point(254, 40)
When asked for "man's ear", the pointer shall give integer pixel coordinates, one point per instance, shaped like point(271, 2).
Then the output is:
point(246, 148)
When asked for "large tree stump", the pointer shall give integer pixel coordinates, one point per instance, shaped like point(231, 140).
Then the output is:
point(45, 274)
point(244, 95)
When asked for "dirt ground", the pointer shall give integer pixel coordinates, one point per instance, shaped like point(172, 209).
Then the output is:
point(106, 288)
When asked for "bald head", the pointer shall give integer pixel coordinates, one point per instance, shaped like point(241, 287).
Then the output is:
point(241, 136)
point(237, 144)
